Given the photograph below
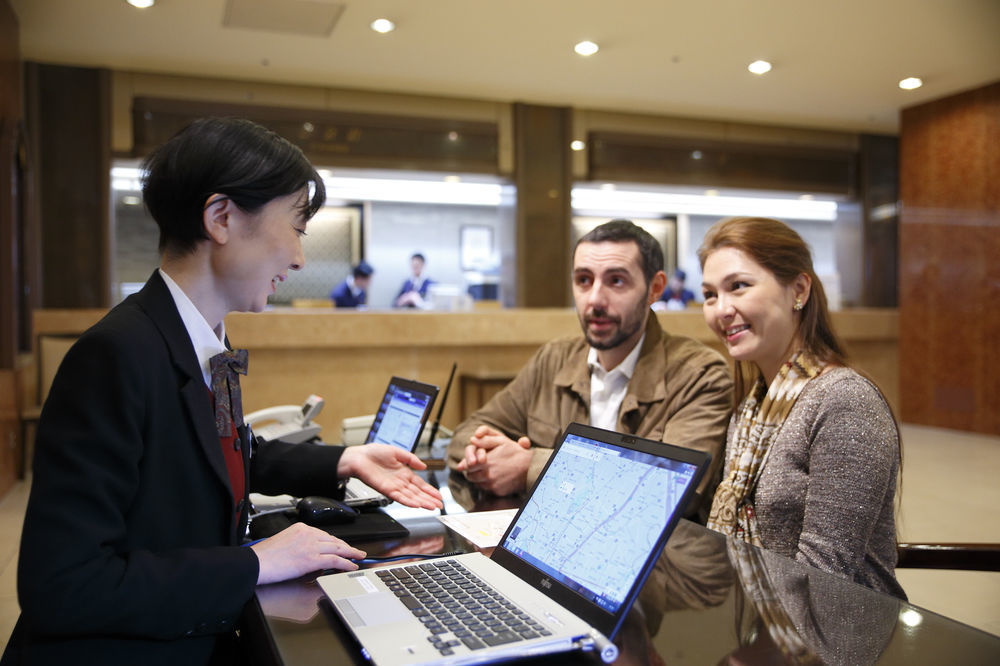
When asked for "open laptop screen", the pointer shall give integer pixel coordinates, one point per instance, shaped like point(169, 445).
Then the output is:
point(595, 516)
point(401, 415)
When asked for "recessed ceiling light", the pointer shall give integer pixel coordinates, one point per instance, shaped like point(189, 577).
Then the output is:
point(383, 25)
point(759, 67)
point(910, 83)
point(577, 145)
point(586, 48)
point(696, 154)
point(141, 4)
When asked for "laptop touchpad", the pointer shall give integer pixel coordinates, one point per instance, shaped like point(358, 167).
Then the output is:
point(369, 610)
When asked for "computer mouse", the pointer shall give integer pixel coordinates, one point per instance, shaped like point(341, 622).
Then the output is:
point(318, 511)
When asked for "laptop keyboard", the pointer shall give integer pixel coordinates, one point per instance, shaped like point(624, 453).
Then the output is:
point(458, 608)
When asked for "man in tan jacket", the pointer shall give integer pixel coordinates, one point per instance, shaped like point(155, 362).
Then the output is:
point(625, 374)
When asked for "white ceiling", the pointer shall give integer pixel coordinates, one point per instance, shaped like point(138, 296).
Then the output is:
point(836, 62)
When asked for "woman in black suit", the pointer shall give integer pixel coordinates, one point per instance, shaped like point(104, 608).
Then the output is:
point(131, 550)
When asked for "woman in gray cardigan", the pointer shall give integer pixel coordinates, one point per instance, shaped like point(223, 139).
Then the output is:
point(812, 453)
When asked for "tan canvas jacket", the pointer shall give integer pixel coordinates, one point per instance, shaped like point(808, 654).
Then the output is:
point(681, 392)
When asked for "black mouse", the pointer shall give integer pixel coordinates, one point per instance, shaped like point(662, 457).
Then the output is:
point(319, 511)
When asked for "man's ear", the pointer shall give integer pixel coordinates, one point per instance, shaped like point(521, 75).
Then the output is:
point(216, 218)
point(656, 287)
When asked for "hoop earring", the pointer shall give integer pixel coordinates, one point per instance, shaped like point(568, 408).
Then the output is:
point(798, 305)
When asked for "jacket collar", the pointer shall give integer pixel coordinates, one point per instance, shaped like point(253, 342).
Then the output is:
point(156, 301)
point(646, 385)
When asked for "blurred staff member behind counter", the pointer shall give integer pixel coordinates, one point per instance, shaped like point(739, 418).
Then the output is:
point(675, 296)
point(413, 293)
point(353, 291)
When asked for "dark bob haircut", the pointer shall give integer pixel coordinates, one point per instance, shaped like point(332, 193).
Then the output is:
point(623, 231)
point(239, 159)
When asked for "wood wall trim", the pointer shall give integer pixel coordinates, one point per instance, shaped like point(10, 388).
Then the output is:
point(949, 273)
point(10, 119)
point(68, 123)
point(721, 163)
point(334, 138)
point(543, 179)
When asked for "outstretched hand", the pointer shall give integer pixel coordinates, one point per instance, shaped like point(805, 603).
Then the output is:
point(389, 470)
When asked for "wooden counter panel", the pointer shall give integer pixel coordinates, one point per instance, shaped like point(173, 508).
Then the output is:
point(304, 329)
point(348, 357)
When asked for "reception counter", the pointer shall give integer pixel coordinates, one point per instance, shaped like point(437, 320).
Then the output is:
point(348, 357)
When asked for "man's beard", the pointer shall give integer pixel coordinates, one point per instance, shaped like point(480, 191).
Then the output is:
point(626, 329)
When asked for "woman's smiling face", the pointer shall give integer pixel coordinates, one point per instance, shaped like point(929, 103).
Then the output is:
point(262, 249)
point(752, 313)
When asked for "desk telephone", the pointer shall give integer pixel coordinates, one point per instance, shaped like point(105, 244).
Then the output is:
point(293, 424)
point(289, 423)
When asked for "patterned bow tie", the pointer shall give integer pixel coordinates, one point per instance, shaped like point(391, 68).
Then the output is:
point(226, 389)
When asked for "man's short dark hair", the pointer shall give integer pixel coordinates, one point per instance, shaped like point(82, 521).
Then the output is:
point(363, 270)
point(241, 160)
point(623, 231)
point(417, 255)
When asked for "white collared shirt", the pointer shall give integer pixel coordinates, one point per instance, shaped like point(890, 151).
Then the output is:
point(608, 387)
point(417, 283)
point(355, 289)
point(204, 339)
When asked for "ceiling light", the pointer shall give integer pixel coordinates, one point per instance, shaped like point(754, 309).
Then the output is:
point(452, 179)
point(910, 83)
point(586, 48)
point(696, 155)
point(141, 4)
point(577, 145)
point(383, 25)
point(759, 67)
point(596, 201)
point(404, 190)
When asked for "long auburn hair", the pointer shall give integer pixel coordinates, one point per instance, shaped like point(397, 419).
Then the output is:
point(778, 248)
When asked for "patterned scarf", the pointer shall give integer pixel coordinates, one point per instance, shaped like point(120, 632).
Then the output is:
point(761, 416)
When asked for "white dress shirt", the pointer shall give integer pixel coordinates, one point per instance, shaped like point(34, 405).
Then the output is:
point(205, 340)
point(608, 387)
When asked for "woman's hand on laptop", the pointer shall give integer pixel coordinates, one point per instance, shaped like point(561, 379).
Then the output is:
point(300, 549)
point(389, 470)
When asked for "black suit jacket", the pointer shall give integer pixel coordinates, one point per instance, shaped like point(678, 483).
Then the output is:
point(130, 550)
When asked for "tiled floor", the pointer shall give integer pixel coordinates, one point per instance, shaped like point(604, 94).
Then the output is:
point(949, 494)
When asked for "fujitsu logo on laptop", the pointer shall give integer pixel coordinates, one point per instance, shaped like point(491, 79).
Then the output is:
point(546, 583)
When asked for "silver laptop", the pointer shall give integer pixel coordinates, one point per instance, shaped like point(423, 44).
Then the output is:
point(563, 577)
point(399, 421)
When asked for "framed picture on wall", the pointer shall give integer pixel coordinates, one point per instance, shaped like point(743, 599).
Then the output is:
point(476, 247)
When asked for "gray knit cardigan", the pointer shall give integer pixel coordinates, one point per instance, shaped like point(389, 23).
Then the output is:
point(826, 496)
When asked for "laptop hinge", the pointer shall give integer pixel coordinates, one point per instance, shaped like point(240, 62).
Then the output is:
point(597, 641)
